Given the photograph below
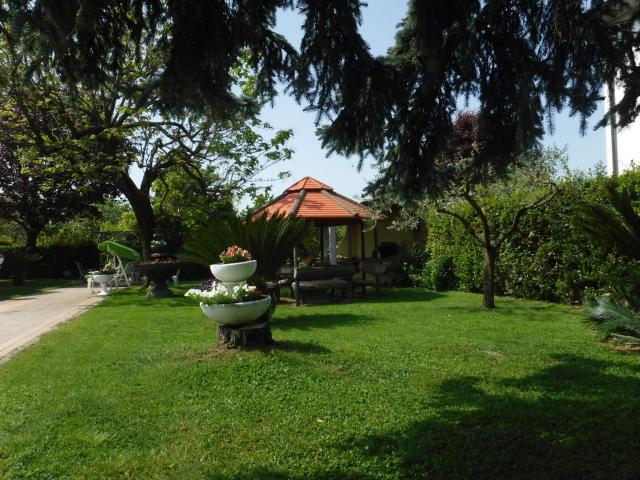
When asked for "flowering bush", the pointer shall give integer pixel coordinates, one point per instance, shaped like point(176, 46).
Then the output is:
point(234, 254)
point(219, 295)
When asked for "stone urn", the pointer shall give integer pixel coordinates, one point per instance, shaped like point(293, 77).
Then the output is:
point(233, 272)
point(104, 279)
point(237, 314)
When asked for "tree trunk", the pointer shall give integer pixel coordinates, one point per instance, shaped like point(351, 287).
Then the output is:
point(20, 269)
point(142, 209)
point(32, 238)
point(256, 335)
point(488, 291)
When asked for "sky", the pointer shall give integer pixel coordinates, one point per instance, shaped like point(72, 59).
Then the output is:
point(380, 19)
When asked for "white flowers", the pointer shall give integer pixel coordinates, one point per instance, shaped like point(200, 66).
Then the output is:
point(219, 294)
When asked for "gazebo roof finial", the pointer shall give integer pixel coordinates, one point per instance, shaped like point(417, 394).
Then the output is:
point(308, 183)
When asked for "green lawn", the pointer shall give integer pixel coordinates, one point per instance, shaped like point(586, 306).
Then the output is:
point(413, 385)
point(9, 290)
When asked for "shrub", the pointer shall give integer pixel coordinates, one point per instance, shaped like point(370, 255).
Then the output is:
point(412, 269)
point(441, 273)
point(52, 261)
point(270, 241)
point(549, 257)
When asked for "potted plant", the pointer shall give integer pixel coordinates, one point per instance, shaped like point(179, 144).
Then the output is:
point(104, 277)
point(234, 305)
point(236, 265)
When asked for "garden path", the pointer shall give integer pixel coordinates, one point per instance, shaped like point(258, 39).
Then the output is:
point(24, 319)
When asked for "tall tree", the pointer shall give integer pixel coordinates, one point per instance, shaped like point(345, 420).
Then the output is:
point(118, 130)
point(478, 187)
point(221, 160)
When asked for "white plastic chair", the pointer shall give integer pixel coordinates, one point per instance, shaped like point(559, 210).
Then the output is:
point(175, 278)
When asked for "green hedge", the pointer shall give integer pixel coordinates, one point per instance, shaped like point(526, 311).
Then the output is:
point(53, 262)
point(548, 257)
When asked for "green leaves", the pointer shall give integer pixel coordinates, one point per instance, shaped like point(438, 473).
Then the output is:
point(617, 227)
point(270, 241)
point(613, 317)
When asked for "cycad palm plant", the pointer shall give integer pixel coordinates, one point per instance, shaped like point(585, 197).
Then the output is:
point(615, 319)
point(270, 240)
point(616, 227)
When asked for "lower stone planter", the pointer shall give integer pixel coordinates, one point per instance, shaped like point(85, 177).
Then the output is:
point(104, 280)
point(237, 314)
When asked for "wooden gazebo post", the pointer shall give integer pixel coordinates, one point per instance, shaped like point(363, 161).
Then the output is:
point(362, 254)
point(375, 241)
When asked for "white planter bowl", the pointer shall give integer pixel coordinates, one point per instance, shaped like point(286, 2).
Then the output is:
point(104, 281)
point(237, 314)
point(234, 272)
point(102, 278)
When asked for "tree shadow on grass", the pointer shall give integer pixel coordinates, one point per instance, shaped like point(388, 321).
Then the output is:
point(218, 352)
point(313, 320)
point(572, 420)
point(297, 347)
point(140, 300)
point(387, 295)
point(272, 474)
point(402, 295)
point(524, 311)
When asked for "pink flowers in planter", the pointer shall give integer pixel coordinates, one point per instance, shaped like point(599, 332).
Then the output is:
point(234, 254)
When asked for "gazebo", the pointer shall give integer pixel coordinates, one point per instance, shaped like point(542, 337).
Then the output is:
point(315, 201)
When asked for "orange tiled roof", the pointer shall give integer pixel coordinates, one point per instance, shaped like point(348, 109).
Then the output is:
point(311, 199)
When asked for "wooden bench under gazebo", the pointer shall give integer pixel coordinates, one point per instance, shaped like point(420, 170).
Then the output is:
point(319, 203)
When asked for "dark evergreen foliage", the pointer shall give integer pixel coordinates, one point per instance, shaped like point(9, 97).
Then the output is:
point(522, 60)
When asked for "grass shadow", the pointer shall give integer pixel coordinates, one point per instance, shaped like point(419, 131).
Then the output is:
point(31, 288)
point(573, 420)
point(387, 295)
point(314, 320)
point(297, 347)
point(134, 296)
point(261, 473)
point(404, 295)
point(528, 311)
point(218, 352)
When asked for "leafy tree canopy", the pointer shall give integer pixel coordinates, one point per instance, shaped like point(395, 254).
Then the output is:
point(31, 196)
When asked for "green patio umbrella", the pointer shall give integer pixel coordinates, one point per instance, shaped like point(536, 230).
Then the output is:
point(122, 251)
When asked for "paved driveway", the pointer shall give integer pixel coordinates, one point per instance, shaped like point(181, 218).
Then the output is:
point(24, 319)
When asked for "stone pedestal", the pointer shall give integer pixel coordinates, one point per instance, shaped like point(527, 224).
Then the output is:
point(255, 335)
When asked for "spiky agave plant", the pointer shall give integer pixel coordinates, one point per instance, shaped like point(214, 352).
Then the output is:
point(617, 227)
point(269, 239)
